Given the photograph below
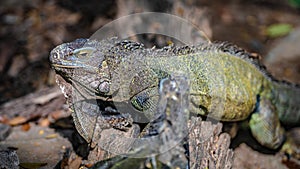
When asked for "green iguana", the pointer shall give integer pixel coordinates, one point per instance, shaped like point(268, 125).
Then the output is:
point(226, 83)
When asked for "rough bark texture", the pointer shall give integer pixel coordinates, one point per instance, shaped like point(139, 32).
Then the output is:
point(209, 148)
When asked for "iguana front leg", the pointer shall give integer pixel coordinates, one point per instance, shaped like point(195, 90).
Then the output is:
point(265, 125)
point(266, 128)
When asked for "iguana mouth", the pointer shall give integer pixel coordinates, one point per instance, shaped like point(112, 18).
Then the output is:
point(58, 60)
point(70, 65)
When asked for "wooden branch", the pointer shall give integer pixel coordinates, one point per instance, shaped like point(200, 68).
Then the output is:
point(208, 148)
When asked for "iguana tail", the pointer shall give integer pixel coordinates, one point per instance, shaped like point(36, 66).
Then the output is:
point(287, 102)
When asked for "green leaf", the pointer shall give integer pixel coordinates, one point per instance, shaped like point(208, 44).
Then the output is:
point(295, 3)
point(277, 30)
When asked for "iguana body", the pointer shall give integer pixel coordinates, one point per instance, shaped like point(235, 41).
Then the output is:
point(226, 82)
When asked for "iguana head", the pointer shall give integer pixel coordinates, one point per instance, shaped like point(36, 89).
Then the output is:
point(93, 65)
point(110, 70)
point(82, 63)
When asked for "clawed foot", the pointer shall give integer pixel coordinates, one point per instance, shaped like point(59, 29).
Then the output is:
point(291, 147)
point(117, 120)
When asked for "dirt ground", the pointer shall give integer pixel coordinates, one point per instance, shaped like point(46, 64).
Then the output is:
point(33, 111)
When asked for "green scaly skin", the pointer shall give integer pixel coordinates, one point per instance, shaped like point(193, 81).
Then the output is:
point(226, 82)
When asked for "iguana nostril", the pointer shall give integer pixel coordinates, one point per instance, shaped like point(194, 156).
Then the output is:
point(104, 87)
point(54, 56)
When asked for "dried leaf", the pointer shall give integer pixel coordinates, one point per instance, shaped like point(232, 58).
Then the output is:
point(59, 114)
point(51, 136)
point(26, 127)
point(46, 98)
point(44, 122)
point(17, 120)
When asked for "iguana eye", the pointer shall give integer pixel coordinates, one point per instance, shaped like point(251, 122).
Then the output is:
point(84, 53)
point(141, 102)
